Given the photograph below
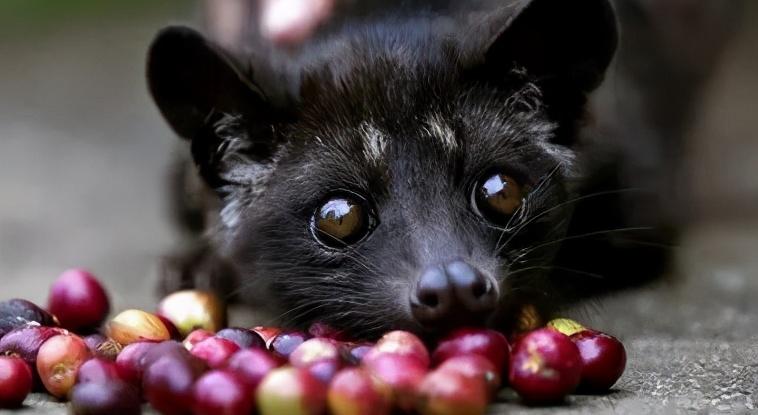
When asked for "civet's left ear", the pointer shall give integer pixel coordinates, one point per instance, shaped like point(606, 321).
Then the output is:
point(564, 46)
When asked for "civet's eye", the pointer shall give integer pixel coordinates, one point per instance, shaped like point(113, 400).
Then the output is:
point(342, 220)
point(497, 197)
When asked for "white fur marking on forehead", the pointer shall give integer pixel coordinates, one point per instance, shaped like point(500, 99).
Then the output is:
point(231, 213)
point(375, 143)
point(438, 129)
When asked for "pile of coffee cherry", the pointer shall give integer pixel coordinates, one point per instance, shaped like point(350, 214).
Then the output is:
point(182, 360)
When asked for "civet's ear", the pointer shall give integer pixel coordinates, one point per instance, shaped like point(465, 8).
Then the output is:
point(189, 78)
point(195, 84)
point(564, 46)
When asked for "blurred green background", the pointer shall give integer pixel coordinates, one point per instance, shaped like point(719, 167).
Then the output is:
point(83, 152)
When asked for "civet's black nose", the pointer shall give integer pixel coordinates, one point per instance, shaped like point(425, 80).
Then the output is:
point(455, 293)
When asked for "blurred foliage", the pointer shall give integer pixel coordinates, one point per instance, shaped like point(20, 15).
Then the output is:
point(48, 12)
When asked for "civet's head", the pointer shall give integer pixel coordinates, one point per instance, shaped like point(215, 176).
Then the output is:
point(398, 175)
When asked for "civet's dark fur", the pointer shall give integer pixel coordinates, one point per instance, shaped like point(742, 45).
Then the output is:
point(410, 113)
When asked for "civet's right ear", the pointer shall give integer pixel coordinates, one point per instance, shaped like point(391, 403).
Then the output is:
point(195, 83)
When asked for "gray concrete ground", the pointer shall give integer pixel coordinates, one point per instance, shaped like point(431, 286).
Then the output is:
point(83, 158)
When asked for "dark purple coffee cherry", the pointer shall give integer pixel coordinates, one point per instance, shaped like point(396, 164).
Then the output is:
point(168, 381)
point(97, 370)
point(129, 361)
point(105, 398)
point(286, 342)
point(353, 353)
point(244, 338)
point(252, 365)
point(25, 342)
point(18, 313)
